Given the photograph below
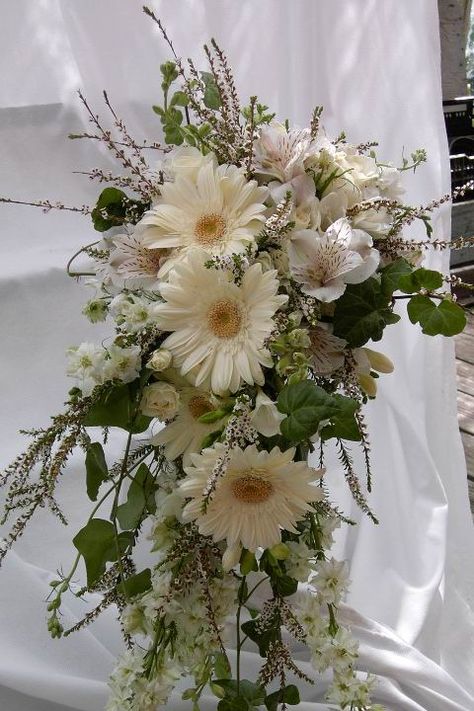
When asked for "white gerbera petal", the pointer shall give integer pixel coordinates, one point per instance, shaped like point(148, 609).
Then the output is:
point(218, 328)
point(259, 494)
point(185, 434)
point(209, 206)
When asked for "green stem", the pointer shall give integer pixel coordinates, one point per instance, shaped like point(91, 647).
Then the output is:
point(239, 643)
point(263, 580)
point(409, 296)
point(74, 256)
point(123, 474)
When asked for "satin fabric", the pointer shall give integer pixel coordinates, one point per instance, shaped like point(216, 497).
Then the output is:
point(375, 68)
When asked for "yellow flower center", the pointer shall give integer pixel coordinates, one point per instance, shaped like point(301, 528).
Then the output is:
point(199, 405)
point(251, 489)
point(209, 229)
point(224, 318)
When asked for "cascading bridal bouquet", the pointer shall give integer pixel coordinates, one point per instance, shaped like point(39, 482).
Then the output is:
point(244, 272)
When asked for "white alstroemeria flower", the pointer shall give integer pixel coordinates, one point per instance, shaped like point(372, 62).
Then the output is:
point(306, 213)
point(280, 152)
point(265, 417)
point(327, 350)
point(325, 264)
point(218, 211)
point(377, 222)
point(332, 207)
point(131, 263)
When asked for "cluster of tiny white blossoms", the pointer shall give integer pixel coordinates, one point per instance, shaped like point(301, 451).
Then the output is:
point(91, 365)
point(130, 687)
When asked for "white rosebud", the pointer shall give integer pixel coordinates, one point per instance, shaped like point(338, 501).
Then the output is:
point(160, 400)
point(265, 417)
point(266, 261)
point(281, 262)
point(160, 360)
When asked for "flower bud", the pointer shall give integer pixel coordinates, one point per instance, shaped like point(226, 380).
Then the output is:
point(95, 310)
point(378, 361)
point(160, 360)
point(160, 400)
point(368, 384)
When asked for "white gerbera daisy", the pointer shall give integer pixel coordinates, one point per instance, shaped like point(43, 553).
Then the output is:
point(217, 210)
point(185, 434)
point(324, 265)
point(219, 327)
point(260, 494)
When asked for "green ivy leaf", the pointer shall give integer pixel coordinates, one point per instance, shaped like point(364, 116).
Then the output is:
point(237, 704)
point(343, 423)
point(445, 318)
point(221, 666)
point(362, 313)
point(284, 585)
point(248, 562)
point(261, 639)
point(116, 408)
point(287, 695)
point(420, 279)
point(110, 202)
point(173, 135)
point(140, 499)
point(136, 584)
point(179, 98)
point(111, 209)
point(391, 274)
point(97, 544)
point(211, 93)
point(249, 691)
point(96, 469)
point(305, 405)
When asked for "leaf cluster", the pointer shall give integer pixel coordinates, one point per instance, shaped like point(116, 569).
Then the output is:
point(308, 406)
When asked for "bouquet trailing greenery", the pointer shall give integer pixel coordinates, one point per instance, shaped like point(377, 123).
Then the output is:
point(245, 273)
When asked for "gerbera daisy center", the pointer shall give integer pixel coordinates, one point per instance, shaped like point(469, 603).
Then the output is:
point(209, 229)
point(199, 405)
point(224, 318)
point(251, 489)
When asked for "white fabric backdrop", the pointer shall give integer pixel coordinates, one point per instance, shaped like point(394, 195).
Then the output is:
point(375, 67)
